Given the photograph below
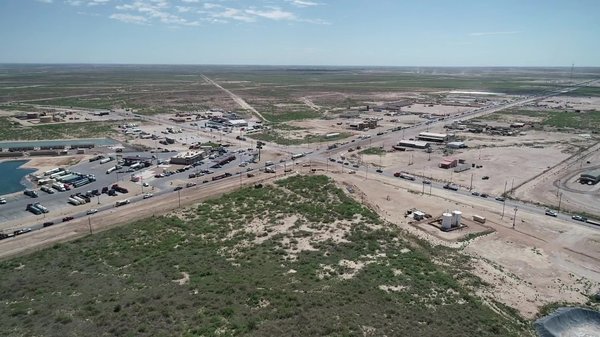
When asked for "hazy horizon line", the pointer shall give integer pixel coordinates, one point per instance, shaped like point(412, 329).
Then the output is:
point(296, 65)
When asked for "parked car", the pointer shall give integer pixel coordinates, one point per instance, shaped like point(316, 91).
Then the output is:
point(426, 182)
point(178, 188)
point(551, 213)
point(500, 199)
point(48, 224)
point(379, 171)
point(475, 193)
point(148, 195)
point(92, 211)
point(579, 218)
point(485, 178)
point(484, 195)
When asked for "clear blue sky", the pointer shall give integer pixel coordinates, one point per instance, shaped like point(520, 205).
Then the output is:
point(302, 32)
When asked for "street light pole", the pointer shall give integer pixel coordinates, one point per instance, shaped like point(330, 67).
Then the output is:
point(559, 201)
point(471, 187)
point(90, 224)
point(515, 217)
point(179, 197)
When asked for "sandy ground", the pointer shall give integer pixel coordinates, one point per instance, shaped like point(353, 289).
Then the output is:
point(511, 165)
point(559, 185)
point(542, 261)
point(567, 102)
point(440, 110)
point(43, 164)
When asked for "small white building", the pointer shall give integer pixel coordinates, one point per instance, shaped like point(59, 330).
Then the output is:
point(456, 145)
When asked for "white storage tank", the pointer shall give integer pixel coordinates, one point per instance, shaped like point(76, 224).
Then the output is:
point(456, 217)
point(446, 220)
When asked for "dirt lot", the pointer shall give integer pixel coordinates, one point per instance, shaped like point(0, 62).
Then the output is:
point(508, 164)
point(544, 260)
point(567, 102)
point(43, 164)
point(436, 109)
point(548, 188)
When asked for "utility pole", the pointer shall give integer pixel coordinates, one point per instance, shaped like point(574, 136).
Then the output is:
point(422, 183)
point(179, 197)
point(515, 216)
point(505, 183)
point(558, 190)
point(503, 205)
point(90, 225)
point(559, 200)
point(471, 187)
point(512, 186)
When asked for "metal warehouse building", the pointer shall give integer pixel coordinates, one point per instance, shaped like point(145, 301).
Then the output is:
point(590, 177)
point(239, 123)
point(413, 143)
point(433, 137)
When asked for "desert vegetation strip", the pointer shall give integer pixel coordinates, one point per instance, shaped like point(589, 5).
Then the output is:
point(300, 258)
point(14, 131)
point(584, 120)
point(373, 150)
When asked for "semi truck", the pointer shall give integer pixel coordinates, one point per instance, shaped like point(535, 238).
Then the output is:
point(41, 207)
point(111, 170)
point(404, 175)
point(121, 202)
point(136, 166)
point(79, 199)
point(106, 160)
point(54, 170)
point(31, 193)
point(46, 181)
point(451, 187)
point(47, 190)
point(31, 208)
point(119, 189)
point(221, 176)
point(74, 201)
point(59, 187)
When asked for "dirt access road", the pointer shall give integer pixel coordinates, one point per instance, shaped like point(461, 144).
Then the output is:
point(240, 101)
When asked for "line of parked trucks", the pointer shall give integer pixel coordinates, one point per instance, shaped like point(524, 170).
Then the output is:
point(61, 180)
